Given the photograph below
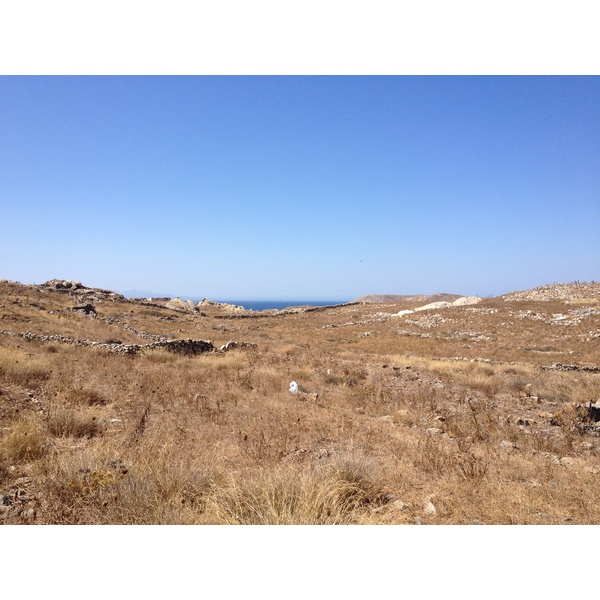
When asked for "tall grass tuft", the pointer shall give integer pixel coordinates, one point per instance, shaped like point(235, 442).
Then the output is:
point(330, 494)
point(25, 441)
point(64, 422)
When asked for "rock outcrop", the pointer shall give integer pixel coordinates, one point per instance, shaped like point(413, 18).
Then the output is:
point(223, 305)
point(79, 291)
point(182, 305)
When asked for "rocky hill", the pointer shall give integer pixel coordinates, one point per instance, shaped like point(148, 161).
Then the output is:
point(559, 291)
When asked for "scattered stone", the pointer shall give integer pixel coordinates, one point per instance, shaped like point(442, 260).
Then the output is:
point(119, 466)
point(87, 309)
point(312, 397)
point(23, 481)
point(434, 431)
point(188, 346)
point(551, 457)
point(558, 291)
point(428, 321)
point(545, 415)
point(533, 483)
point(391, 502)
point(231, 345)
point(430, 509)
point(563, 367)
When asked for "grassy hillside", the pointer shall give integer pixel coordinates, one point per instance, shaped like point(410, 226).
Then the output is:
point(458, 415)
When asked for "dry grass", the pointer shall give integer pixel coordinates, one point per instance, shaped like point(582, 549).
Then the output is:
point(333, 493)
point(387, 425)
point(21, 368)
point(25, 441)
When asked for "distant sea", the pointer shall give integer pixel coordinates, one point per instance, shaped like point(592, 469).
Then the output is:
point(279, 304)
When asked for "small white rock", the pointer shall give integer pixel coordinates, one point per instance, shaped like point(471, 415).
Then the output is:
point(430, 509)
point(434, 431)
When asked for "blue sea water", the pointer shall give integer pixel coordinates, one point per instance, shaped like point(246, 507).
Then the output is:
point(279, 304)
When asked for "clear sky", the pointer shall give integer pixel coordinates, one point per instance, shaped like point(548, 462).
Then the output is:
point(300, 187)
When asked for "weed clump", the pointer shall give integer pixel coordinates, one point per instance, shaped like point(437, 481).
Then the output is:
point(64, 422)
point(25, 441)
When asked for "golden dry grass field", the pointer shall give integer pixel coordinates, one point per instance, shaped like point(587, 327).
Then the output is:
point(479, 413)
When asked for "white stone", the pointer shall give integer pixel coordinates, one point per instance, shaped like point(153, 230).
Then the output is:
point(430, 509)
point(434, 431)
point(434, 306)
point(467, 300)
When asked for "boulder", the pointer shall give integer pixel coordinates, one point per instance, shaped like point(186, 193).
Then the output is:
point(63, 284)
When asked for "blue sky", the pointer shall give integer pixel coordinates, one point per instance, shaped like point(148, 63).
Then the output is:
point(300, 187)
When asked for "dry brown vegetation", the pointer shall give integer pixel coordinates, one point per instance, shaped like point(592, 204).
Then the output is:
point(448, 416)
